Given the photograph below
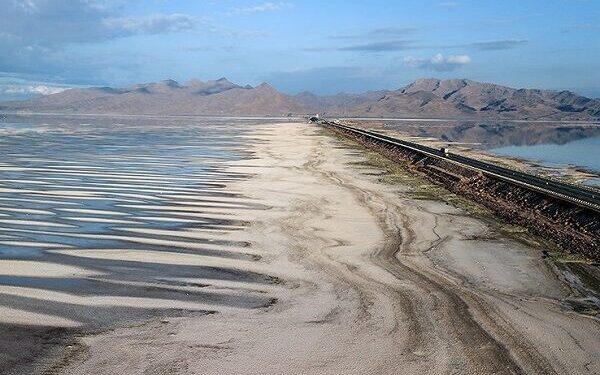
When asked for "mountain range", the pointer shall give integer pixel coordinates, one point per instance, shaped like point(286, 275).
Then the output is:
point(455, 98)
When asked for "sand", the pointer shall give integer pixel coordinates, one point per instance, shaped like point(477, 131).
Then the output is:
point(364, 280)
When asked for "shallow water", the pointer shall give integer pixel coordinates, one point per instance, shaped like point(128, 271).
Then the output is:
point(66, 178)
point(121, 207)
point(552, 144)
point(583, 153)
point(491, 134)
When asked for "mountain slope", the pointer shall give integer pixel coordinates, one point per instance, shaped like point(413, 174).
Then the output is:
point(219, 97)
point(473, 98)
point(456, 98)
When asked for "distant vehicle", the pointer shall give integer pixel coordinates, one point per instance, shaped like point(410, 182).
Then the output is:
point(444, 150)
point(314, 118)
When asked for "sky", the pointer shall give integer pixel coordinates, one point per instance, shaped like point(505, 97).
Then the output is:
point(316, 45)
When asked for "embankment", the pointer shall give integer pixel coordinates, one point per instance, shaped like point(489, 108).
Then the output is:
point(575, 229)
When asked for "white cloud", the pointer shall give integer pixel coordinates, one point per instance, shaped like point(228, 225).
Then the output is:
point(153, 24)
point(56, 23)
point(31, 89)
point(259, 8)
point(438, 62)
point(458, 59)
point(36, 35)
point(28, 6)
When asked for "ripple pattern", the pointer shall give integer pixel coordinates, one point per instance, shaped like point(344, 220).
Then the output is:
point(120, 219)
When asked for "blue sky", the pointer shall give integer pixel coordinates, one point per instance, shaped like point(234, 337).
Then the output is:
point(321, 46)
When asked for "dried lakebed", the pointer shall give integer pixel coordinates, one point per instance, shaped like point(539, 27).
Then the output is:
point(290, 260)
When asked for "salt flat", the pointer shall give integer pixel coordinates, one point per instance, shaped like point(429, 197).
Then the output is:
point(310, 265)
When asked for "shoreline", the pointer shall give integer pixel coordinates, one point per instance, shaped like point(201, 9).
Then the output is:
point(364, 277)
point(591, 122)
point(566, 172)
point(359, 298)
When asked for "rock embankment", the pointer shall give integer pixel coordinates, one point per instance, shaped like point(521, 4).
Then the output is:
point(573, 228)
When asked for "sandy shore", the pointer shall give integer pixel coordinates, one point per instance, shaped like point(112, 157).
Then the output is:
point(365, 280)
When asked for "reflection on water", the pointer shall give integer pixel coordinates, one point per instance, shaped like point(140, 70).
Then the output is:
point(549, 144)
point(582, 153)
point(493, 135)
point(114, 219)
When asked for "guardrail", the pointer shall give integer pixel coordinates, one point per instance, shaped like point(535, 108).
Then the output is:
point(580, 196)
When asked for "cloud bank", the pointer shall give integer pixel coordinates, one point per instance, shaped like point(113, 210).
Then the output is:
point(496, 45)
point(438, 62)
point(32, 90)
point(153, 24)
point(380, 33)
point(387, 46)
point(18, 90)
point(36, 35)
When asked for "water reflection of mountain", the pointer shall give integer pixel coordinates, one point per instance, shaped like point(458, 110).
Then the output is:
point(499, 134)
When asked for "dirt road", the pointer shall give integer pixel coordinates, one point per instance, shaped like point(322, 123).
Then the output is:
point(369, 281)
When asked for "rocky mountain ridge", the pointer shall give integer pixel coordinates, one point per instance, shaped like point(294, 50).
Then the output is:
point(455, 98)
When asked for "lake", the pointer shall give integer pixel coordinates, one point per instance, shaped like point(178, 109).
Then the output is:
point(547, 143)
point(584, 153)
point(101, 207)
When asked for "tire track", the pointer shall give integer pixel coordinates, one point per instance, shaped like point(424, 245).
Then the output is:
point(485, 353)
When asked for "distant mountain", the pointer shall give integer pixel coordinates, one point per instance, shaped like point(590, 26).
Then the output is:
point(423, 98)
point(462, 98)
point(219, 97)
point(341, 104)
